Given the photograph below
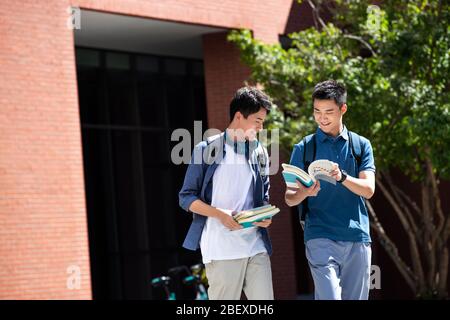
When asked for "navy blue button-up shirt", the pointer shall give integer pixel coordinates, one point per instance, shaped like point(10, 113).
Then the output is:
point(336, 213)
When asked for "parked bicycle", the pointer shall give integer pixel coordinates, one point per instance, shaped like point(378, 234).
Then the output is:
point(198, 280)
point(194, 277)
point(164, 282)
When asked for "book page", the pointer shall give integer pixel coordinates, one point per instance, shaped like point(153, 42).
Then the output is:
point(321, 170)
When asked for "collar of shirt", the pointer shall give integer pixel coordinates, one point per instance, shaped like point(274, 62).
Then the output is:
point(240, 147)
point(322, 136)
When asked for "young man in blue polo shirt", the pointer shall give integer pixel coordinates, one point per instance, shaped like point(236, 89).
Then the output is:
point(229, 173)
point(336, 231)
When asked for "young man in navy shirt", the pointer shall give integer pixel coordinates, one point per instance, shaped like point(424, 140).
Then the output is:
point(336, 231)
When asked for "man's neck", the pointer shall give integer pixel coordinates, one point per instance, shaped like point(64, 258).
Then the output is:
point(335, 134)
point(231, 132)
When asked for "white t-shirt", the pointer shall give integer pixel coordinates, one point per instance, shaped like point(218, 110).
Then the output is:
point(232, 191)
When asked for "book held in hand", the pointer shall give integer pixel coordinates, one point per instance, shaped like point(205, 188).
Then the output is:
point(318, 170)
point(246, 218)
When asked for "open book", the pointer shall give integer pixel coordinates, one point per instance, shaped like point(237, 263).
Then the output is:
point(318, 170)
point(247, 217)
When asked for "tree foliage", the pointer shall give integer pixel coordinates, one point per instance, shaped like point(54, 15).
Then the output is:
point(394, 59)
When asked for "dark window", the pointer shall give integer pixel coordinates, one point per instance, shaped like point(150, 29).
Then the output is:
point(129, 105)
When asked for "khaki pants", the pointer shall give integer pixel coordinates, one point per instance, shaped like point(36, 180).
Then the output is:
point(227, 278)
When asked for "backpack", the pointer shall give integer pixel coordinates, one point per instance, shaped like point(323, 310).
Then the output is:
point(309, 155)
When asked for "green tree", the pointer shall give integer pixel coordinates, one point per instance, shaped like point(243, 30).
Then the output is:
point(394, 60)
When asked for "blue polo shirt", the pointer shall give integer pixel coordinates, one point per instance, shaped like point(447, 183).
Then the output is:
point(336, 213)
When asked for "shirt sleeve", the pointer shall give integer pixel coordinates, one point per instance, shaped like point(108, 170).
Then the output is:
point(297, 156)
point(266, 180)
point(367, 160)
point(193, 180)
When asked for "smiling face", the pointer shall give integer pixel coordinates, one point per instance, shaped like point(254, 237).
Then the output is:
point(248, 110)
point(328, 116)
point(251, 125)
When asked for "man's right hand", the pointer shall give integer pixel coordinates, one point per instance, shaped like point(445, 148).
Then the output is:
point(204, 209)
point(311, 191)
point(293, 198)
point(228, 221)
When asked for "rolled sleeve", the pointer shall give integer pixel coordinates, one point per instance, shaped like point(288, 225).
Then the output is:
point(193, 180)
point(266, 179)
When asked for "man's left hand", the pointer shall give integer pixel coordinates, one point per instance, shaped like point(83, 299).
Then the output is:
point(264, 224)
point(336, 173)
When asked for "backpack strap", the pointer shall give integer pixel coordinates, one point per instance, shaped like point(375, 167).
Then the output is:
point(309, 154)
point(262, 158)
point(214, 148)
point(355, 146)
point(309, 150)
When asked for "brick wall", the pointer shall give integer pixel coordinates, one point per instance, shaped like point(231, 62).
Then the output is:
point(281, 233)
point(224, 73)
point(42, 208)
point(43, 228)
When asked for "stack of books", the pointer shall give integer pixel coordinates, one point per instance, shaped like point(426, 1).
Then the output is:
point(246, 218)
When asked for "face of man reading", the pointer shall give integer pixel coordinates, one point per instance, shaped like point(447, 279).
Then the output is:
point(328, 116)
point(253, 124)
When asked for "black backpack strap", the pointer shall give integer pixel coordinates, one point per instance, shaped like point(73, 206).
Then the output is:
point(309, 154)
point(309, 150)
point(356, 148)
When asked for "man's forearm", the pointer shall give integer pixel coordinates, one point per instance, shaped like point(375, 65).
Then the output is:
point(204, 209)
point(361, 187)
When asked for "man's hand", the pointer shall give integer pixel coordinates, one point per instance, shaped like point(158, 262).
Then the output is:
point(228, 221)
point(264, 223)
point(363, 186)
point(293, 198)
point(336, 173)
point(311, 191)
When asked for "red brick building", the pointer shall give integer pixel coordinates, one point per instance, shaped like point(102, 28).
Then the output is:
point(88, 197)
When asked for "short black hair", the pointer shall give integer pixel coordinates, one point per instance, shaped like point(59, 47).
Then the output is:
point(249, 100)
point(330, 89)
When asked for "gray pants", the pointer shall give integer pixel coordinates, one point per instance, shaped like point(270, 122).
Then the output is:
point(227, 278)
point(340, 269)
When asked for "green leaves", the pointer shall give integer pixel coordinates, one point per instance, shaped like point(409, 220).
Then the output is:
point(394, 60)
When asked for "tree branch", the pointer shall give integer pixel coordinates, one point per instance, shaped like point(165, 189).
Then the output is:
point(392, 250)
point(437, 201)
point(410, 201)
point(398, 198)
point(316, 15)
point(362, 41)
point(443, 272)
point(446, 230)
point(427, 219)
point(415, 256)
